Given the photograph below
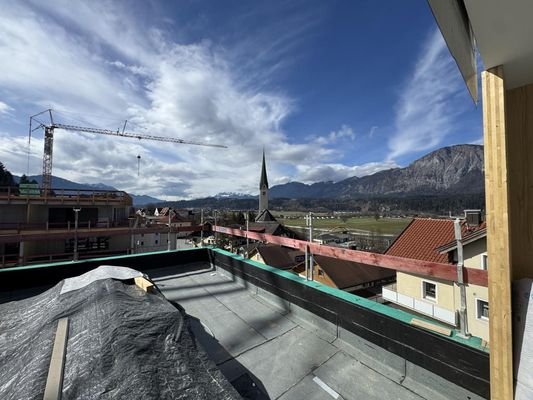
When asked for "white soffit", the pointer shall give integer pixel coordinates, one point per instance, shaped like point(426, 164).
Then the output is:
point(504, 36)
point(452, 19)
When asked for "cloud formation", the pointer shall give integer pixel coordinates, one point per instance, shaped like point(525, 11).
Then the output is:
point(99, 63)
point(345, 132)
point(427, 109)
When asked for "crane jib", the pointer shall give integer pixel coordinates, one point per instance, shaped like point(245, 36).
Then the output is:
point(132, 135)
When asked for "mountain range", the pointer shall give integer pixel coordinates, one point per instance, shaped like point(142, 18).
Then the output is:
point(450, 170)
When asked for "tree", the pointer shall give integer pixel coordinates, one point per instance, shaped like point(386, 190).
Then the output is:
point(6, 179)
point(24, 179)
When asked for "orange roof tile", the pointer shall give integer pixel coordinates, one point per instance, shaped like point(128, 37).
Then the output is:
point(421, 238)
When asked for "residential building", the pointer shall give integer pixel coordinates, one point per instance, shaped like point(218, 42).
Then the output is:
point(38, 225)
point(346, 275)
point(333, 239)
point(276, 256)
point(433, 240)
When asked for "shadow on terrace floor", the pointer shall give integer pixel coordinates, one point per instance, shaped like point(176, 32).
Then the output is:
point(246, 383)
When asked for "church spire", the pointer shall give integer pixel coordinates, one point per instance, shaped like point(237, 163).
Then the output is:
point(263, 187)
point(264, 181)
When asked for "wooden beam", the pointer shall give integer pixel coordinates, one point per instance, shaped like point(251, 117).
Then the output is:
point(431, 327)
point(498, 234)
point(144, 284)
point(431, 269)
point(54, 382)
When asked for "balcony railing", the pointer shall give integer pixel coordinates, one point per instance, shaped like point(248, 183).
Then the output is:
point(69, 196)
point(423, 307)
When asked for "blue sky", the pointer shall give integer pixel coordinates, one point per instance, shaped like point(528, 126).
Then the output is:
point(330, 89)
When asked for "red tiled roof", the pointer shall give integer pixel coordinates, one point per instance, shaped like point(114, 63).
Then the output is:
point(421, 238)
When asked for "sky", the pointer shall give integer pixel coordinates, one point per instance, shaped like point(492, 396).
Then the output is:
point(329, 89)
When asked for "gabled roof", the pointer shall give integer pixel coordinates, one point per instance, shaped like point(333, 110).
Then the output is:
point(346, 274)
point(421, 239)
point(265, 216)
point(279, 256)
point(469, 237)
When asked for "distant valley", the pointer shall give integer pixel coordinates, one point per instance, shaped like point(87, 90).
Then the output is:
point(450, 178)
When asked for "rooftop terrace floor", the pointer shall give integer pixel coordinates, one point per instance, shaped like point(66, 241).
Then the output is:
point(268, 350)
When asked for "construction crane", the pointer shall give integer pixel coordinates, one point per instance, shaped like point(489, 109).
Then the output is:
point(52, 126)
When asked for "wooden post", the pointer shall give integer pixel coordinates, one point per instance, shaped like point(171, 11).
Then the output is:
point(498, 233)
point(519, 126)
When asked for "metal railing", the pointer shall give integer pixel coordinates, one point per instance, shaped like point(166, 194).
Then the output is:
point(60, 195)
point(46, 226)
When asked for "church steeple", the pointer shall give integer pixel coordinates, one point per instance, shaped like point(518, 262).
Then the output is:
point(263, 187)
point(264, 180)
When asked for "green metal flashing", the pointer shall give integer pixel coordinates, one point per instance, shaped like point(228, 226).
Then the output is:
point(383, 309)
point(401, 315)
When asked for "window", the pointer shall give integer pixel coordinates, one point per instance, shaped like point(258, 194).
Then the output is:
point(320, 272)
point(484, 262)
point(157, 242)
point(482, 309)
point(429, 291)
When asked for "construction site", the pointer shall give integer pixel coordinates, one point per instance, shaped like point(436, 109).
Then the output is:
point(90, 311)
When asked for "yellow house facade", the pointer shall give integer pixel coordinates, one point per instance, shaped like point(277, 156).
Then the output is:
point(436, 298)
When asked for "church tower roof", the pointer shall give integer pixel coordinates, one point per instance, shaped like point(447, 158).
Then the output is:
point(264, 180)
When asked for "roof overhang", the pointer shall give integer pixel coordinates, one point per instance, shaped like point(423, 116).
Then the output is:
point(480, 234)
point(502, 31)
point(452, 18)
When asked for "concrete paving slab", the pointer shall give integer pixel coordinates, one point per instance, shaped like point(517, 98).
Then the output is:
point(308, 389)
point(231, 331)
point(319, 326)
point(267, 321)
point(282, 362)
point(373, 356)
point(434, 387)
point(280, 304)
point(354, 380)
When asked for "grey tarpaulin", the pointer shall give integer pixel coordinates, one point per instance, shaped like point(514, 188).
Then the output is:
point(123, 343)
point(102, 272)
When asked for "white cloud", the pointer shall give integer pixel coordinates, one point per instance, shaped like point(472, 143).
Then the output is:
point(4, 108)
point(98, 64)
point(427, 108)
point(345, 132)
point(338, 172)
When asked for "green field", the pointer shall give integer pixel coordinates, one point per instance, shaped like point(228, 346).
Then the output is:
point(391, 226)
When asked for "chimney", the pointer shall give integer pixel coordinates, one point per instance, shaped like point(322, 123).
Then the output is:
point(473, 217)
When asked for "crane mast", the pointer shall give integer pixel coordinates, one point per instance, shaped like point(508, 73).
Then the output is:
point(49, 142)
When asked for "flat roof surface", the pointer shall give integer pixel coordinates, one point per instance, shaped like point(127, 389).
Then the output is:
point(267, 351)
